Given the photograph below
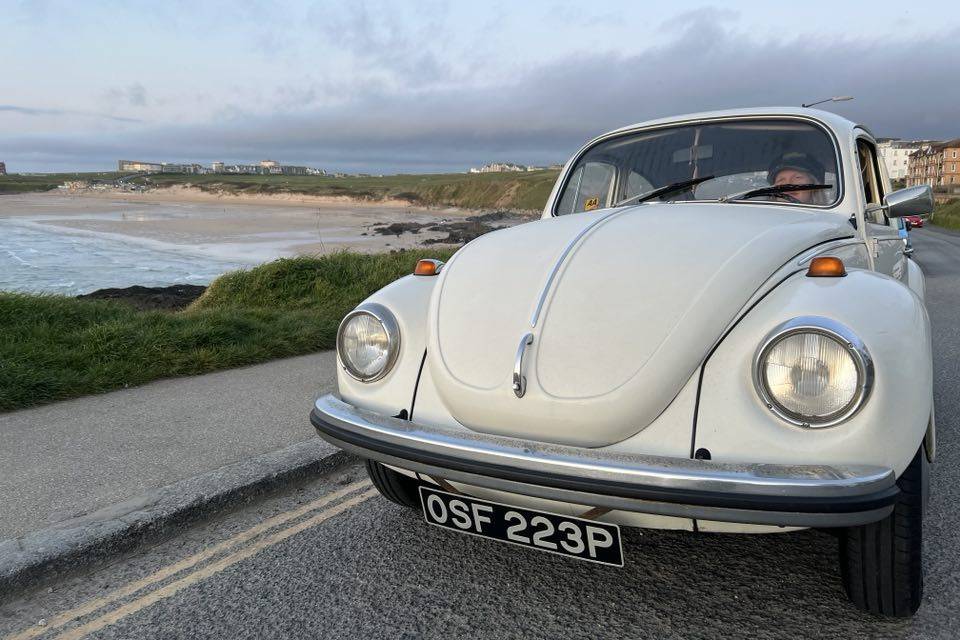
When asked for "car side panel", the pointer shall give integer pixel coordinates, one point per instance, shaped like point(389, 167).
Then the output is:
point(916, 280)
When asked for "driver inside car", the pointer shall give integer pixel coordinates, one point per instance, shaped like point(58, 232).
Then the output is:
point(795, 167)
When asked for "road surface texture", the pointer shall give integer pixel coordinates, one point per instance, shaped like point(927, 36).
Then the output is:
point(330, 559)
point(71, 458)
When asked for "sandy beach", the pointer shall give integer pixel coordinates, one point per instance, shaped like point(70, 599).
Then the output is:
point(72, 243)
point(242, 227)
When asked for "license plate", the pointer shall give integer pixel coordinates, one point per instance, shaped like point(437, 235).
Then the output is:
point(564, 535)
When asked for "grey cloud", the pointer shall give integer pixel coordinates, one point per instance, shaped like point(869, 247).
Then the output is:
point(546, 113)
point(388, 37)
point(39, 111)
point(132, 95)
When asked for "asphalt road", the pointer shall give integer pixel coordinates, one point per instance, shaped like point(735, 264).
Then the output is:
point(331, 560)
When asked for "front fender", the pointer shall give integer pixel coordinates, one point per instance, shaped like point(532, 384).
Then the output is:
point(408, 299)
point(734, 425)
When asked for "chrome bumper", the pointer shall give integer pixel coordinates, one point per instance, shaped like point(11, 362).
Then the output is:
point(776, 494)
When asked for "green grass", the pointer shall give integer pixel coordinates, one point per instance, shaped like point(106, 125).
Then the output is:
point(16, 183)
point(519, 191)
point(54, 347)
point(947, 215)
point(523, 191)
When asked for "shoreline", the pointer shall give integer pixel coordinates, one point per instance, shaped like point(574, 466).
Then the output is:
point(194, 195)
point(79, 243)
point(189, 194)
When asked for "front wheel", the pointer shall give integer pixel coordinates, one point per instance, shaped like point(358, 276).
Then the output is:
point(881, 563)
point(394, 486)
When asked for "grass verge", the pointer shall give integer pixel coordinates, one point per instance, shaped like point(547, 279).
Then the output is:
point(54, 347)
point(947, 215)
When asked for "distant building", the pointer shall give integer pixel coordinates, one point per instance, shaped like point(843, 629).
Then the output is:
point(264, 167)
point(136, 165)
point(937, 165)
point(896, 154)
point(951, 163)
point(170, 167)
point(3, 168)
point(499, 167)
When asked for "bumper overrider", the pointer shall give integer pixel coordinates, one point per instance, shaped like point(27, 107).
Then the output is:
point(772, 494)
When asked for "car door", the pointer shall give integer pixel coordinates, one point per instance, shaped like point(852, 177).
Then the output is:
point(883, 234)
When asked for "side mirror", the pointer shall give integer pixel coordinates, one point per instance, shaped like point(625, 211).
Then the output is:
point(912, 201)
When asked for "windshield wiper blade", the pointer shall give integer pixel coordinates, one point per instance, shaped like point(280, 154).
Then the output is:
point(772, 191)
point(664, 190)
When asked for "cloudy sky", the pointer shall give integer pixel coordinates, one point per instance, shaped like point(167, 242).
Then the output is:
point(423, 86)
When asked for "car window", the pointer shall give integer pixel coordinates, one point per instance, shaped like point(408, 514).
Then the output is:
point(591, 187)
point(636, 184)
point(870, 180)
point(741, 155)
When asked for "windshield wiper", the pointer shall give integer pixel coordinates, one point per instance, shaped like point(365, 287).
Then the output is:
point(664, 190)
point(779, 189)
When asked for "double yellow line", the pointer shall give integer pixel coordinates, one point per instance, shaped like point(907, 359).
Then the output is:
point(238, 550)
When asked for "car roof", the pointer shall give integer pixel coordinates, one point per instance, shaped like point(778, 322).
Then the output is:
point(838, 123)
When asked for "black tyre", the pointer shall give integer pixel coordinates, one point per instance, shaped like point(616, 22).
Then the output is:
point(881, 564)
point(394, 486)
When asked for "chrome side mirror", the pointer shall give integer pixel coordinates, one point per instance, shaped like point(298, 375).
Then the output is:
point(912, 201)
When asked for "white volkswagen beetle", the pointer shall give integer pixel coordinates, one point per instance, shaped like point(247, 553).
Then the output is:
point(712, 328)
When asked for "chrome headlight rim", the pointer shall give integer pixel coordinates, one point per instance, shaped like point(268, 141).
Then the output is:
point(847, 339)
point(389, 323)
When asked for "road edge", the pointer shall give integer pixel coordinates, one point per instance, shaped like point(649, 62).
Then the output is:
point(89, 540)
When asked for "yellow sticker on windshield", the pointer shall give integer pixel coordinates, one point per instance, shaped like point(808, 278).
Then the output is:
point(591, 203)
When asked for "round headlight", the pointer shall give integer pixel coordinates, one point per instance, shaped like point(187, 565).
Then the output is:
point(813, 372)
point(368, 342)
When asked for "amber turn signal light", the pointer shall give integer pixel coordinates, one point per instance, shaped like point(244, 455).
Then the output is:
point(427, 267)
point(826, 267)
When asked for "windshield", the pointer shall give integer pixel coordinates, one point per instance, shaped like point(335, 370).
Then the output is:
point(741, 155)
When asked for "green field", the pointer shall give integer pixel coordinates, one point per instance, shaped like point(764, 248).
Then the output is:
point(519, 191)
point(947, 215)
point(55, 347)
point(17, 183)
point(522, 191)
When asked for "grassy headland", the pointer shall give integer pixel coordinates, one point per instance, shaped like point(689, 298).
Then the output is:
point(55, 347)
point(509, 190)
point(523, 191)
point(947, 215)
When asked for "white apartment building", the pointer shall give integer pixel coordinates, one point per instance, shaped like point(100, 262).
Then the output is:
point(896, 155)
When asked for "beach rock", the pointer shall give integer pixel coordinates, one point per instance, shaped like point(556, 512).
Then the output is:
point(172, 298)
point(398, 228)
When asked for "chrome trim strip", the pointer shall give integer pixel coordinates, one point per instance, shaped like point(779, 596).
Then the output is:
point(519, 380)
point(563, 256)
point(774, 480)
point(839, 332)
point(390, 325)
